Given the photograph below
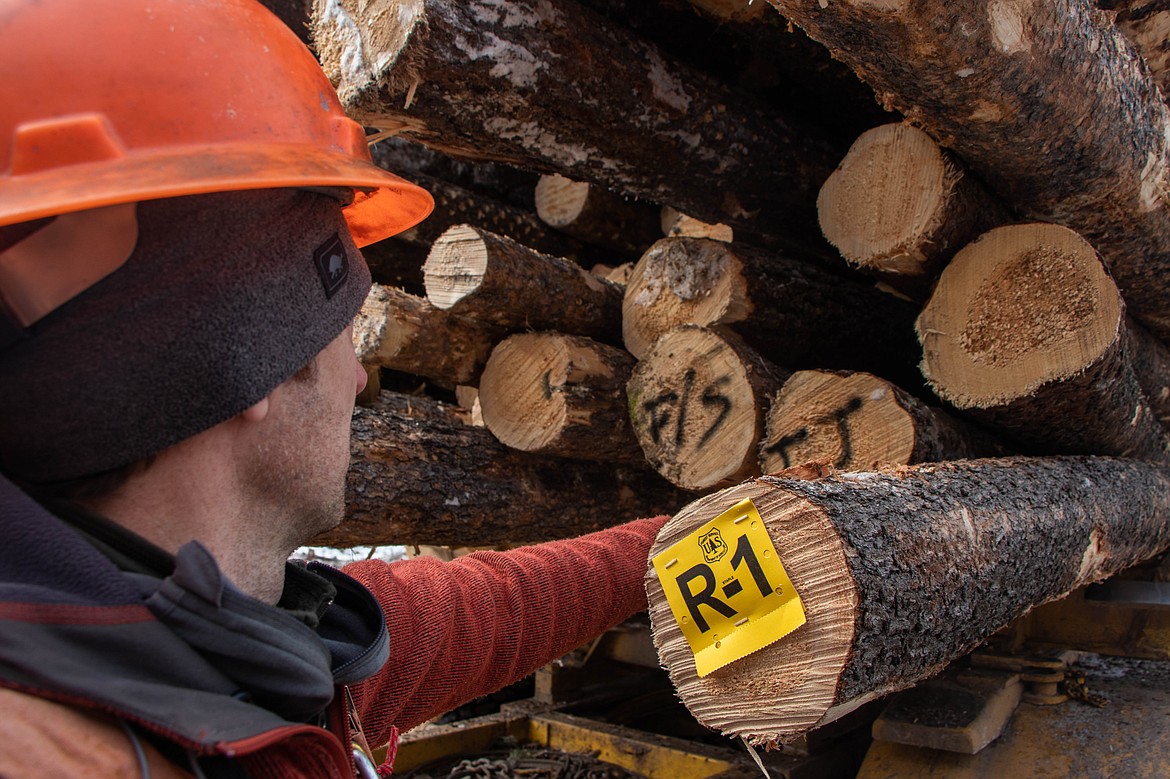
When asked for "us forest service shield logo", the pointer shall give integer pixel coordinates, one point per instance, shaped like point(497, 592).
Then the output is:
point(332, 265)
point(712, 545)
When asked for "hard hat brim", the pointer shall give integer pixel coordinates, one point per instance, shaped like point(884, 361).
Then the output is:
point(384, 204)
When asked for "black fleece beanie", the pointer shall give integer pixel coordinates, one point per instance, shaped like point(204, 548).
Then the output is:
point(224, 297)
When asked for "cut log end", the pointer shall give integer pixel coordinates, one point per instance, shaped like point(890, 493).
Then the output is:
point(1020, 307)
point(888, 193)
point(697, 408)
point(679, 281)
point(785, 688)
point(455, 266)
point(559, 200)
point(852, 420)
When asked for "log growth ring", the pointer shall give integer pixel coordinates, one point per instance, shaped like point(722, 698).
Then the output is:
point(788, 686)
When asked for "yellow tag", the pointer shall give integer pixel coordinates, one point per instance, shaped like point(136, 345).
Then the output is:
point(727, 589)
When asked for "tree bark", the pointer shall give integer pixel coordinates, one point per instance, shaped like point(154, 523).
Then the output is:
point(560, 395)
point(478, 274)
point(793, 313)
point(1025, 332)
point(526, 84)
point(857, 422)
point(900, 573)
point(1048, 104)
point(1146, 23)
point(898, 207)
point(419, 475)
point(455, 205)
point(697, 403)
point(595, 215)
point(395, 329)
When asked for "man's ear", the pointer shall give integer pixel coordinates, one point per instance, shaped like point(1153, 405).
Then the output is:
point(257, 411)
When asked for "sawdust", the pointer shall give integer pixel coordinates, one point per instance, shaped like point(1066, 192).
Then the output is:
point(1041, 298)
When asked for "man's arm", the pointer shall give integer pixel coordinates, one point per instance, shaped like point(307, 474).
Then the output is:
point(468, 627)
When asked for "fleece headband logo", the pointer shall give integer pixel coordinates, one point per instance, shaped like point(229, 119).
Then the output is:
point(332, 265)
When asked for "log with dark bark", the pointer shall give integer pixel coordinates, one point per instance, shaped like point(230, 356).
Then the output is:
point(795, 314)
point(898, 207)
point(1025, 332)
point(594, 215)
point(901, 573)
point(480, 275)
point(857, 422)
point(561, 395)
point(753, 49)
point(533, 84)
point(395, 329)
point(456, 205)
point(1047, 102)
point(419, 475)
point(697, 401)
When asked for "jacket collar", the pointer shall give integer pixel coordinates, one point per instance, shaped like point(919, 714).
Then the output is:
point(170, 644)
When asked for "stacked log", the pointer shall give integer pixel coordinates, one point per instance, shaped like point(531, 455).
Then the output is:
point(397, 330)
point(420, 475)
point(477, 274)
point(593, 214)
point(976, 545)
point(1026, 332)
point(858, 422)
point(899, 207)
point(794, 313)
point(697, 401)
point(560, 395)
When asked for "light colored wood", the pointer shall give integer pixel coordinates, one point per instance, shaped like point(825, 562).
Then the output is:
point(1025, 332)
point(697, 401)
point(560, 395)
point(857, 422)
point(395, 329)
point(903, 571)
point(676, 224)
point(899, 206)
point(481, 275)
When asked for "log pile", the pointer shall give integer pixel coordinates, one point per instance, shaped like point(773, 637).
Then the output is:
point(1013, 213)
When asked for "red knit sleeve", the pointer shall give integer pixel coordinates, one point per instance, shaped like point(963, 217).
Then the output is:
point(468, 627)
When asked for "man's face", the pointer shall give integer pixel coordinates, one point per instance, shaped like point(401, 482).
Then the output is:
point(302, 465)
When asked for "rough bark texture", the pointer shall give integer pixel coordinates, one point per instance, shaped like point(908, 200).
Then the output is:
point(526, 84)
point(1146, 23)
point(754, 49)
point(419, 475)
point(857, 422)
point(1046, 101)
point(898, 207)
point(595, 215)
point(478, 274)
point(395, 329)
point(795, 314)
point(1150, 360)
point(697, 402)
point(927, 562)
point(1025, 332)
point(561, 395)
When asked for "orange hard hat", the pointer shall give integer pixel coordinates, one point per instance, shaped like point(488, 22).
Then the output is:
point(104, 102)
